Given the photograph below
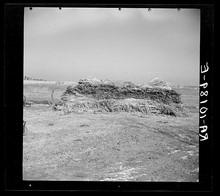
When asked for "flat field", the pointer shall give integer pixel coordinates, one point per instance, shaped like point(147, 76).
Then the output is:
point(108, 146)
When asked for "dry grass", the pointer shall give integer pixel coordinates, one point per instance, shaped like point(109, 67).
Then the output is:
point(109, 146)
point(39, 92)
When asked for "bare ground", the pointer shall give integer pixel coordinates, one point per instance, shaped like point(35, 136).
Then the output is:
point(109, 146)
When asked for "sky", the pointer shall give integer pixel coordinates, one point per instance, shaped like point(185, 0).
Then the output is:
point(133, 44)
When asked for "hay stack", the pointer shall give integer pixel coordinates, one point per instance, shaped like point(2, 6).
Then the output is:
point(120, 105)
point(102, 90)
point(105, 96)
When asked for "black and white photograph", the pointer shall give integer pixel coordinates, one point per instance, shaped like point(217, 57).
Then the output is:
point(111, 94)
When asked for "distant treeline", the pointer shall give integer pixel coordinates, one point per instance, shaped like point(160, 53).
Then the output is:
point(30, 78)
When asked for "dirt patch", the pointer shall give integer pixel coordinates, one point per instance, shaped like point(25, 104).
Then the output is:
point(108, 147)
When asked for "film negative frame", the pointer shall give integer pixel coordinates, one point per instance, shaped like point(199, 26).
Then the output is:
point(13, 107)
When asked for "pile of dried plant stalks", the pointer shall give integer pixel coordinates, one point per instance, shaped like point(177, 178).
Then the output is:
point(112, 91)
point(108, 97)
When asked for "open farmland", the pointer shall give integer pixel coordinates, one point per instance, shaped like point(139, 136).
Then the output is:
point(108, 146)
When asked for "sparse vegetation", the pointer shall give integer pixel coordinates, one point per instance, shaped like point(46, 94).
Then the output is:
point(107, 138)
